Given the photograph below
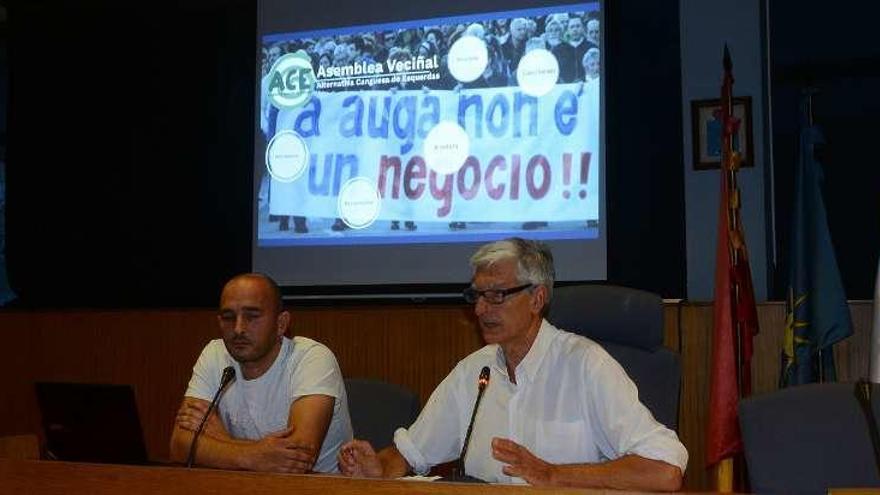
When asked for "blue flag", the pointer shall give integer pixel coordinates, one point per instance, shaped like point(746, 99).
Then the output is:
point(817, 314)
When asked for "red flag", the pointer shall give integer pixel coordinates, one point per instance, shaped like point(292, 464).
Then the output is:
point(735, 314)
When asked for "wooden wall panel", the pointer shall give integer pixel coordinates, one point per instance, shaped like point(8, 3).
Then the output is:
point(852, 356)
point(767, 363)
point(696, 330)
point(414, 346)
point(152, 350)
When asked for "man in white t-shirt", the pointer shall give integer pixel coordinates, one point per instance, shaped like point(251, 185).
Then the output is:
point(558, 410)
point(285, 411)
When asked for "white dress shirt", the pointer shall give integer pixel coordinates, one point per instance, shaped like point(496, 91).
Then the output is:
point(572, 403)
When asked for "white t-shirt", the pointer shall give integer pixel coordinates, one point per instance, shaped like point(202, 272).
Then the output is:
point(572, 403)
point(251, 409)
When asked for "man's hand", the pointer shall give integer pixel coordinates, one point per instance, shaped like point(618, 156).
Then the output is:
point(357, 458)
point(279, 453)
point(522, 463)
point(191, 413)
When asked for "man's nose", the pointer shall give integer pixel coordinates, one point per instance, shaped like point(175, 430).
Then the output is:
point(240, 324)
point(481, 306)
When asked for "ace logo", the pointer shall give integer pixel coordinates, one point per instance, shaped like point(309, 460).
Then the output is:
point(291, 80)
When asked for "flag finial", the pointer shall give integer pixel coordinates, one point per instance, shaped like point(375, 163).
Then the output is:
point(728, 64)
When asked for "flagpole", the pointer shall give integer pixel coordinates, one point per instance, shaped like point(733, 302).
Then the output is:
point(735, 316)
point(724, 470)
point(819, 361)
point(819, 354)
point(874, 375)
point(731, 163)
point(724, 476)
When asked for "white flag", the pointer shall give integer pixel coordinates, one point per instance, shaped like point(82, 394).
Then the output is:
point(875, 334)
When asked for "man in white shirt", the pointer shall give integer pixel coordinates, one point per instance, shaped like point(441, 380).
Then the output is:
point(558, 410)
point(285, 411)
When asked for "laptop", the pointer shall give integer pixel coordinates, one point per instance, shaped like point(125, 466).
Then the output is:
point(87, 422)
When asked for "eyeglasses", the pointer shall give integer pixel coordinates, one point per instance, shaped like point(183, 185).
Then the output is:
point(492, 296)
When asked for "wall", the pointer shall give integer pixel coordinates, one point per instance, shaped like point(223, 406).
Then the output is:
point(706, 25)
point(833, 52)
point(152, 187)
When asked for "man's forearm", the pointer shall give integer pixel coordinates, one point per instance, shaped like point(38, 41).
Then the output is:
point(212, 450)
point(394, 465)
point(627, 473)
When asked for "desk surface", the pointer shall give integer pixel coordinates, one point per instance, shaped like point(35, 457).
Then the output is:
point(50, 477)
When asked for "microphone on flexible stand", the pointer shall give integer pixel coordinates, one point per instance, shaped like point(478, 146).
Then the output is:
point(225, 379)
point(863, 396)
point(460, 474)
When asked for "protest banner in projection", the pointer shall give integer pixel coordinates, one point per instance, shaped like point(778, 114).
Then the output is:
point(489, 154)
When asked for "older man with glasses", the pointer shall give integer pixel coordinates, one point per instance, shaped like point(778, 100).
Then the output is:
point(557, 411)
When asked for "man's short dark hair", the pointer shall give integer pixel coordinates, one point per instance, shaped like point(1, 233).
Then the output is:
point(274, 289)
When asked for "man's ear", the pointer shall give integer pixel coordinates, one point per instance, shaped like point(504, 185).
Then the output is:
point(283, 322)
point(539, 299)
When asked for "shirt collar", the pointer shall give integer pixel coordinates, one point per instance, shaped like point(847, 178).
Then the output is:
point(286, 344)
point(530, 364)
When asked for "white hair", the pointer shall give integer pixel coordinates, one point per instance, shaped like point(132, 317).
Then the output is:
point(534, 262)
point(476, 29)
point(591, 53)
point(519, 21)
point(535, 43)
point(561, 18)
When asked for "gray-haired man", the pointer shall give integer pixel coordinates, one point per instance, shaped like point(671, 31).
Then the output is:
point(558, 411)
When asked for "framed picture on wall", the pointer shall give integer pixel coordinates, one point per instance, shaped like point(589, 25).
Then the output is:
point(706, 127)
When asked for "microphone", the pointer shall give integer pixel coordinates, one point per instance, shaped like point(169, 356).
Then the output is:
point(225, 379)
point(482, 383)
point(863, 396)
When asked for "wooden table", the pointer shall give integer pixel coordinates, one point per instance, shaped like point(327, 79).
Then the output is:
point(19, 477)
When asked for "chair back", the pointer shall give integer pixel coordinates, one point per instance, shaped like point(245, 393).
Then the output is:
point(808, 438)
point(378, 408)
point(628, 323)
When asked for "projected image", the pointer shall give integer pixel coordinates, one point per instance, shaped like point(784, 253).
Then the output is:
point(460, 128)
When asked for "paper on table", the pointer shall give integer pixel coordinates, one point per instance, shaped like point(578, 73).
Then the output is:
point(420, 478)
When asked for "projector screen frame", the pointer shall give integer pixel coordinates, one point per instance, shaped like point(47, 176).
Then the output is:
point(422, 288)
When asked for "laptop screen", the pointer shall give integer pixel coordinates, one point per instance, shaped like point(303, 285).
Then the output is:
point(86, 422)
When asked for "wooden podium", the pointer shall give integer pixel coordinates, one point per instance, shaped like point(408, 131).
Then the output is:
point(19, 477)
